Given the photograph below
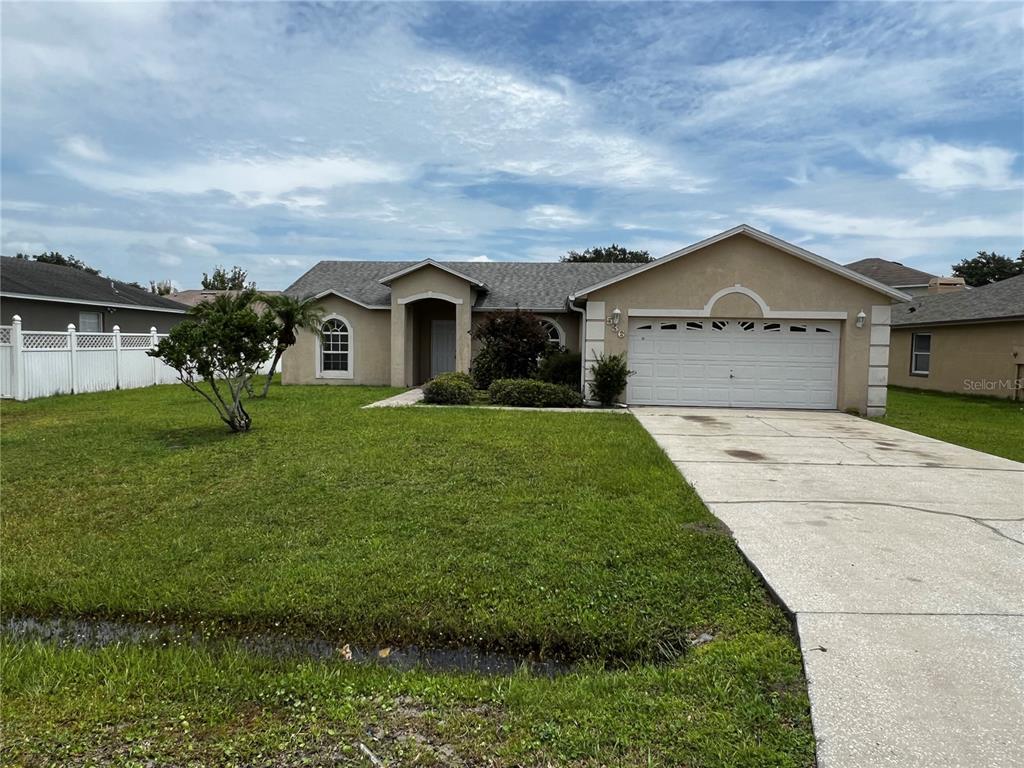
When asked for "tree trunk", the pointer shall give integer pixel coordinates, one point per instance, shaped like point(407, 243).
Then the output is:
point(278, 352)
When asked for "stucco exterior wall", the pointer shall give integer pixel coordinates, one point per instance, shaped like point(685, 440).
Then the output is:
point(369, 335)
point(784, 282)
point(978, 358)
point(55, 316)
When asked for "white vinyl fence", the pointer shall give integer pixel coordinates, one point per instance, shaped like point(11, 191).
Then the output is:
point(42, 363)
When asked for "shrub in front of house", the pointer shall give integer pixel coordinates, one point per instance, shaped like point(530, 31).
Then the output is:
point(531, 393)
point(610, 375)
point(453, 388)
point(511, 343)
point(560, 367)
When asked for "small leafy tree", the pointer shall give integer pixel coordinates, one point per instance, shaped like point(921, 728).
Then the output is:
point(55, 257)
point(223, 343)
point(610, 375)
point(291, 314)
point(988, 268)
point(511, 343)
point(222, 280)
point(611, 253)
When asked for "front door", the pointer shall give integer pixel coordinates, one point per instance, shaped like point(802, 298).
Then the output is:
point(442, 346)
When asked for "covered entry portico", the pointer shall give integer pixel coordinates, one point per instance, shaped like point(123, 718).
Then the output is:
point(431, 311)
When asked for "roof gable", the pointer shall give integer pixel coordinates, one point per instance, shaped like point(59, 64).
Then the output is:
point(388, 279)
point(764, 237)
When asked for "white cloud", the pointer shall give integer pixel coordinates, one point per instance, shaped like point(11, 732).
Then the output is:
point(253, 181)
point(555, 217)
point(480, 259)
point(85, 148)
point(945, 167)
point(820, 222)
point(169, 259)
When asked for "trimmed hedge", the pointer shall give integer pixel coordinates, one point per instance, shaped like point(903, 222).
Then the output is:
point(530, 393)
point(560, 367)
point(453, 388)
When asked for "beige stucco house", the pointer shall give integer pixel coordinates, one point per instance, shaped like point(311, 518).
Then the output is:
point(741, 319)
point(967, 341)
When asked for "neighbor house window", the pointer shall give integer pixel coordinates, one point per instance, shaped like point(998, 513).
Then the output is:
point(90, 322)
point(554, 332)
point(920, 354)
point(335, 349)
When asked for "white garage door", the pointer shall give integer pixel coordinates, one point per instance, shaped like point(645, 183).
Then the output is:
point(737, 363)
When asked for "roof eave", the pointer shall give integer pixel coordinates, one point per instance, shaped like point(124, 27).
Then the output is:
point(958, 321)
point(340, 295)
point(93, 302)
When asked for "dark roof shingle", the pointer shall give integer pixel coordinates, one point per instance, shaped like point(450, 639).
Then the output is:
point(890, 273)
point(509, 284)
point(37, 278)
point(1002, 300)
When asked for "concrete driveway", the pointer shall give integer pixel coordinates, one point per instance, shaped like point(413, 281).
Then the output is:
point(902, 558)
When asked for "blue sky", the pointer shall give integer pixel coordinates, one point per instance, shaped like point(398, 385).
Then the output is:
point(155, 141)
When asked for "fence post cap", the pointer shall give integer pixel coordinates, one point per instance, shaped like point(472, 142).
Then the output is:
point(71, 326)
point(16, 319)
point(152, 329)
point(117, 329)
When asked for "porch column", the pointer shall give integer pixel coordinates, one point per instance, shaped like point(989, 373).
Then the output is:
point(398, 344)
point(463, 341)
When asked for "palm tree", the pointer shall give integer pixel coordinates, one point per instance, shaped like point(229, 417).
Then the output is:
point(292, 314)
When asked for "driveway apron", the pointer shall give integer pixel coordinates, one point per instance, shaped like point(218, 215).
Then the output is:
point(902, 558)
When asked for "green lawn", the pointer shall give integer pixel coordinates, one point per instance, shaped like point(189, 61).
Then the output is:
point(563, 535)
point(982, 423)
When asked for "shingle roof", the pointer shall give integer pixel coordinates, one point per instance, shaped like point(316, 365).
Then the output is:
point(890, 273)
point(509, 284)
point(1002, 300)
point(36, 278)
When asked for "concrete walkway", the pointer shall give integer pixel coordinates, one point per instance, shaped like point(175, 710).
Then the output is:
point(409, 397)
point(902, 558)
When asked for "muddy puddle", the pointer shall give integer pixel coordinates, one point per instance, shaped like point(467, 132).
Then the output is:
point(98, 633)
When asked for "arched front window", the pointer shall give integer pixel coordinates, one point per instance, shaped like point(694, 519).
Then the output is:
point(554, 331)
point(335, 358)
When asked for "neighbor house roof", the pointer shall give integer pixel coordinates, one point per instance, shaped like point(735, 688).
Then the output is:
point(891, 273)
point(37, 280)
point(193, 296)
point(508, 284)
point(764, 237)
point(999, 301)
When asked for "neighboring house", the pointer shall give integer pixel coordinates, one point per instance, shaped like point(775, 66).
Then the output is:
point(49, 297)
point(906, 279)
point(739, 319)
point(969, 341)
point(194, 296)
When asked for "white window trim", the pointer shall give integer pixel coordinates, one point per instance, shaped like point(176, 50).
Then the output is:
point(558, 327)
point(346, 374)
point(90, 312)
point(914, 354)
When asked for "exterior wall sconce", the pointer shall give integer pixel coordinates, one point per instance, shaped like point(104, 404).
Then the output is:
point(861, 317)
point(614, 321)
